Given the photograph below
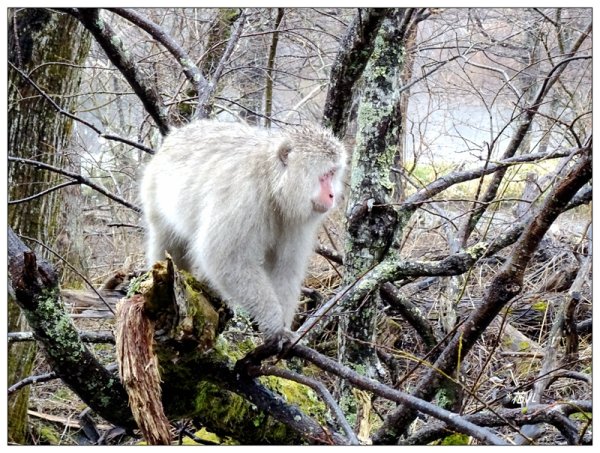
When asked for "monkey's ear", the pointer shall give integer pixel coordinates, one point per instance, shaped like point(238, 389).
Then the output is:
point(283, 152)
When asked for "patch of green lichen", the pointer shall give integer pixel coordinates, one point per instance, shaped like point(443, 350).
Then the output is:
point(227, 413)
point(477, 250)
point(456, 439)
point(299, 395)
point(348, 406)
point(540, 305)
point(53, 319)
point(136, 283)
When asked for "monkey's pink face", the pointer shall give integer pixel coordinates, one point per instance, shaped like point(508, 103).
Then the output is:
point(325, 198)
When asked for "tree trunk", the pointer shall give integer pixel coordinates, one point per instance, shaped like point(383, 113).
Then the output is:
point(37, 131)
point(372, 218)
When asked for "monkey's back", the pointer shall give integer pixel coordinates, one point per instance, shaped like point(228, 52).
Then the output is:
point(200, 160)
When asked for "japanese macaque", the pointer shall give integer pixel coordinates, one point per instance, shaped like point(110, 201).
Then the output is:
point(239, 207)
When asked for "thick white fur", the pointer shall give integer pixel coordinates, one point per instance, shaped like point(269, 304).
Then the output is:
point(233, 204)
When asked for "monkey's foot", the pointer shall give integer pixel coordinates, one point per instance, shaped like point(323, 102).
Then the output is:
point(273, 346)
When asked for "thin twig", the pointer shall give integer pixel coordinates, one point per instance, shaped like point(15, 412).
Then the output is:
point(77, 177)
point(62, 111)
point(207, 92)
point(318, 387)
point(45, 192)
point(32, 380)
point(191, 71)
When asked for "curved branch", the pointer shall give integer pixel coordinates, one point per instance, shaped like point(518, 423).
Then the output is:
point(44, 192)
point(318, 387)
point(32, 380)
point(191, 71)
point(80, 179)
point(537, 413)
point(62, 111)
point(446, 181)
point(114, 47)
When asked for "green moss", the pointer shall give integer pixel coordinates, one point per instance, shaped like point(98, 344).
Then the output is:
point(524, 346)
point(581, 416)
point(299, 395)
point(456, 439)
point(46, 434)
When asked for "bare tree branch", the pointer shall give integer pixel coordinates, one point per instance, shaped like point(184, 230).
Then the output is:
point(537, 413)
point(87, 336)
point(44, 192)
point(62, 111)
point(77, 177)
point(529, 112)
point(204, 96)
point(191, 71)
point(32, 380)
point(454, 420)
point(115, 50)
point(318, 387)
point(505, 285)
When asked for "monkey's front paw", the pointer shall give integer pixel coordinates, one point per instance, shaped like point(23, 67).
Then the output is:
point(272, 346)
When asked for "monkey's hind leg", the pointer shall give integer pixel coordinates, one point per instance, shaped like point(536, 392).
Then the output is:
point(162, 240)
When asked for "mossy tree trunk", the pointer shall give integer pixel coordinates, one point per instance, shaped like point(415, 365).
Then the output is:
point(37, 131)
point(372, 219)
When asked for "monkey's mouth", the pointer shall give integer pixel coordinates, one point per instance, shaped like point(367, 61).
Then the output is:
point(320, 208)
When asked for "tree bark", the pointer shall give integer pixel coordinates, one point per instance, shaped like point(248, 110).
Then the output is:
point(36, 130)
point(35, 285)
point(372, 218)
point(355, 50)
